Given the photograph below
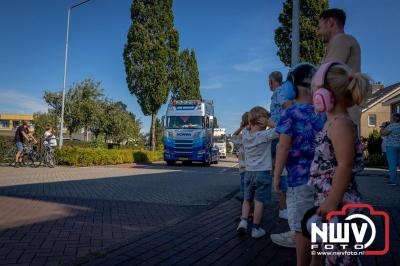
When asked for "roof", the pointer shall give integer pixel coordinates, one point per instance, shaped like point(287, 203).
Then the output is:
point(380, 96)
point(16, 116)
point(391, 101)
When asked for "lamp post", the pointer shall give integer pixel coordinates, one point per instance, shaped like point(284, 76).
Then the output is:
point(295, 33)
point(65, 73)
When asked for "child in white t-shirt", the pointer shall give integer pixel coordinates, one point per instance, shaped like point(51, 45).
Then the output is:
point(258, 162)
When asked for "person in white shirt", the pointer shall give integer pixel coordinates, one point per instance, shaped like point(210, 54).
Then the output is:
point(47, 136)
point(257, 179)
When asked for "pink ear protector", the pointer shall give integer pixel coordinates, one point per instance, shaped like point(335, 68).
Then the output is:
point(323, 98)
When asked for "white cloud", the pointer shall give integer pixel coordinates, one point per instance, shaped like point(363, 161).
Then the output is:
point(212, 86)
point(20, 103)
point(256, 65)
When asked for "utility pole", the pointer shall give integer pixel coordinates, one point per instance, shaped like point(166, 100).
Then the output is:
point(65, 73)
point(295, 33)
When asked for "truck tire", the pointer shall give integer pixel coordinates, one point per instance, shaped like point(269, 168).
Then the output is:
point(208, 162)
point(170, 163)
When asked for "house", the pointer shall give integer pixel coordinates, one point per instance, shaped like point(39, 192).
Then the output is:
point(10, 122)
point(379, 107)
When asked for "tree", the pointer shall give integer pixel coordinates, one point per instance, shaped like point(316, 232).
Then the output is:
point(85, 98)
point(41, 121)
point(119, 125)
point(81, 106)
point(151, 56)
point(159, 134)
point(311, 48)
point(54, 100)
point(189, 85)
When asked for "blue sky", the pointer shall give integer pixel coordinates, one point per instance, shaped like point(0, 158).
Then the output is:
point(233, 40)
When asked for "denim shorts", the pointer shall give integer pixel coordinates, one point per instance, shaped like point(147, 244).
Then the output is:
point(20, 146)
point(298, 200)
point(257, 186)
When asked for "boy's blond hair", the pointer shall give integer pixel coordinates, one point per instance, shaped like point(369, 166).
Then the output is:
point(256, 113)
point(345, 84)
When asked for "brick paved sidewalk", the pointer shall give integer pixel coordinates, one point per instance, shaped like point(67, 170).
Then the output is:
point(210, 239)
point(58, 230)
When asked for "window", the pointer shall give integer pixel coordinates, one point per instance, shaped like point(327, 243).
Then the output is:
point(185, 122)
point(16, 124)
point(4, 123)
point(372, 120)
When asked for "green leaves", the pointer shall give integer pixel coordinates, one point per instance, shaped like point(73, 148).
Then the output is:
point(41, 121)
point(86, 108)
point(151, 55)
point(189, 82)
point(311, 48)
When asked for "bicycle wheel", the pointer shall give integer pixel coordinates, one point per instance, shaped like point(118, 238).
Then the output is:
point(9, 157)
point(26, 159)
point(36, 158)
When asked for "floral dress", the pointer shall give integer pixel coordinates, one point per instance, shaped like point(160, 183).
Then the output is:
point(322, 171)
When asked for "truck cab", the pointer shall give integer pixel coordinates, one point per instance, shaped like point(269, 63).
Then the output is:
point(219, 137)
point(188, 131)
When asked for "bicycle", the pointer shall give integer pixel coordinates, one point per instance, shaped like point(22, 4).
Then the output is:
point(49, 157)
point(9, 157)
point(31, 155)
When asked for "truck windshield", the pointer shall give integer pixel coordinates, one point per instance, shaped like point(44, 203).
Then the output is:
point(185, 122)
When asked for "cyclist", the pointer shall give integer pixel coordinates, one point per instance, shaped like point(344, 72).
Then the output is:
point(22, 135)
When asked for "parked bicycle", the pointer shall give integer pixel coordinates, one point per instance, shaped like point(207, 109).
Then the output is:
point(49, 159)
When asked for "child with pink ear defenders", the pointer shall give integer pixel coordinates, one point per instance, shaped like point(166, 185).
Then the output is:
point(338, 153)
point(323, 99)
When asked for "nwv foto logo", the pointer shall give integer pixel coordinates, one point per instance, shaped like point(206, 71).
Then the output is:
point(327, 234)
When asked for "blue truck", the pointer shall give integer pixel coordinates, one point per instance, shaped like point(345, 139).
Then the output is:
point(188, 132)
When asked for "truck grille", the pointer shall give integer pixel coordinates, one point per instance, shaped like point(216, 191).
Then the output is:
point(183, 147)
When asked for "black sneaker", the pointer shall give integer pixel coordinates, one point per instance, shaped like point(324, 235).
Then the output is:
point(17, 165)
point(391, 183)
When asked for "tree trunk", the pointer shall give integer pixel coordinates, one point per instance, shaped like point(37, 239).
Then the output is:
point(153, 132)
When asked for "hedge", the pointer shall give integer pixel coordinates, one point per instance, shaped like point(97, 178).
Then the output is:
point(75, 156)
point(6, 144)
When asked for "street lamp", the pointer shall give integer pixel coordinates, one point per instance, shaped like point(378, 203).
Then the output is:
point(295, 32)
point(65, 72)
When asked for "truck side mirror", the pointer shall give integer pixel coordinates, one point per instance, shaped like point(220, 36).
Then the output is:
point(163, 120)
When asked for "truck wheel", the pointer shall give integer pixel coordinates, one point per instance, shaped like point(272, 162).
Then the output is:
point(207, 163)
point(170, 163)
